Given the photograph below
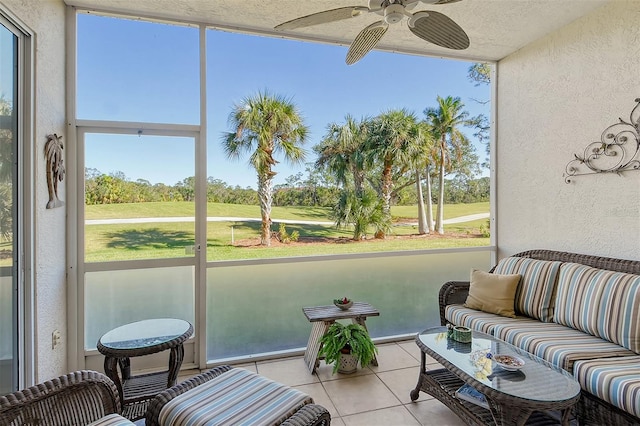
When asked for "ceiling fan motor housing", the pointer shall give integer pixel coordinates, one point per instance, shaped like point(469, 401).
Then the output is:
point(393, 13)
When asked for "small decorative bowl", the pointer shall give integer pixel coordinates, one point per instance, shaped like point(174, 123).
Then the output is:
point(462, 334)
point(509, 362)
point(344, 306)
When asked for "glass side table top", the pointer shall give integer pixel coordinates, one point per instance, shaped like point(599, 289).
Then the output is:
point(537, 380)
point(146, 334)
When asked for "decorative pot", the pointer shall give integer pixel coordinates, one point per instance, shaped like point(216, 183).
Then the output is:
point(462, 334)
point(347, 363)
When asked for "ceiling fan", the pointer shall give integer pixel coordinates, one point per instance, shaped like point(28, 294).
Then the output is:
point(430, 26)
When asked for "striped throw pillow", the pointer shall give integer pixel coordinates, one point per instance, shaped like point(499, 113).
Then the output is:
point(535, 295)
point(603, 303)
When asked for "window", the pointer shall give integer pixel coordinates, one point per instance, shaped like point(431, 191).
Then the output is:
point(15, 124)
point(153, 201)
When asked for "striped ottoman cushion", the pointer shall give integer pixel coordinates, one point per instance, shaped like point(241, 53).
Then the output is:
point(559, 345)
point(478, 320)
point(600, 302)
point(535, 295)
point(614, 380)
point(236, 397)
point(111, 420)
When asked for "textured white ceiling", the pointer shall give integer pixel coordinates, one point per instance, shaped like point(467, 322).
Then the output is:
point(496, 28)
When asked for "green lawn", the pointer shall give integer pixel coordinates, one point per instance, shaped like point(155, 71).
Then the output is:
point(162, 240)
point(178, 209)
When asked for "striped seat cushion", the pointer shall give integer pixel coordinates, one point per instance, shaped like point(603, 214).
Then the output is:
point(236, 397)
point(111, 420)
point(603, 303)
point(535, 295)
point(615, 380)
point(558, 344)
point(478, 320)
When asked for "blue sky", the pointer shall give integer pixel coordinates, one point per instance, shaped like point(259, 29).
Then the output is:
point(139, 71)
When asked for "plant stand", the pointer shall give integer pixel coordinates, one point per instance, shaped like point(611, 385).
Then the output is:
point(323, 316)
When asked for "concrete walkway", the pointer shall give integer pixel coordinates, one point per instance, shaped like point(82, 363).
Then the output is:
point(460, 219)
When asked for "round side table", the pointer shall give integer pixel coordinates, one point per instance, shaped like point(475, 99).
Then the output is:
point(139, 339)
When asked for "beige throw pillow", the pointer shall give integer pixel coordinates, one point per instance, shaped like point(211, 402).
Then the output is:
point(493, 293)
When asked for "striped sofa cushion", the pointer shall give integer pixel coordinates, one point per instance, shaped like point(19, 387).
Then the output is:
point(535, 295)
point(558, 344)
point(111, 420)
point(478, 320)
point(600, 302)
point(236, 397)
point(614, 380)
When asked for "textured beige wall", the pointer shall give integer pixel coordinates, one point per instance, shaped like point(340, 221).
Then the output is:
point(554, 97)
point(46, 19)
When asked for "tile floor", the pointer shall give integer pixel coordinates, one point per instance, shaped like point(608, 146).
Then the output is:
point(371, 396)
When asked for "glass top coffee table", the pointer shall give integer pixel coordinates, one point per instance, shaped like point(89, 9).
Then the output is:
point(514, 397)
point(138, 339)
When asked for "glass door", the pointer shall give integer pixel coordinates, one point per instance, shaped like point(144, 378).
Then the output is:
point(139, 248)
point(9, 249)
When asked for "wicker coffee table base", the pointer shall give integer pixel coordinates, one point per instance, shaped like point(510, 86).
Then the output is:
point(442, 384)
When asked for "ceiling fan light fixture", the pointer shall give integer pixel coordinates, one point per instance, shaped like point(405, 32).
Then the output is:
point(393, 13)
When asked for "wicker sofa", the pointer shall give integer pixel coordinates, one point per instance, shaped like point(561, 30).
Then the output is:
point(579, 312)
point(76, 399)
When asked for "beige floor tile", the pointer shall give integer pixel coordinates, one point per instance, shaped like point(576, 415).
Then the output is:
point(411, 347)
point(320, 397)
point(396, 416)
point(325, 372)
point(359, 394)
point(433, 413)
point(337, 421)
point(401, 382)
point(251, 366)
point(393, 357)
point(414, 350)
point(288, 371)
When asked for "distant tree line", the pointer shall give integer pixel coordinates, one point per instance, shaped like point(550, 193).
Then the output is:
point(298, 190)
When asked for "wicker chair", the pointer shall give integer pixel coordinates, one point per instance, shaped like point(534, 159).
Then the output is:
point(75, 399)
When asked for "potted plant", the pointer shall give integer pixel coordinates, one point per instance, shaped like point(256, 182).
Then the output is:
point(346, 345)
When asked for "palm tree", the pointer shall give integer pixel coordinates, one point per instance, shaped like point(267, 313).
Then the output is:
point(266, 125)
point(424, 146)
point(341, 152)
point(429, 196)
point(393, 141)
point(360, 211)
point(445, 121)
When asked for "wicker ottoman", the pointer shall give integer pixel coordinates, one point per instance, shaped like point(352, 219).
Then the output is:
point(234, 396)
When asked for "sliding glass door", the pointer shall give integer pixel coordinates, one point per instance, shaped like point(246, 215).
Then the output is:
point(9, 248)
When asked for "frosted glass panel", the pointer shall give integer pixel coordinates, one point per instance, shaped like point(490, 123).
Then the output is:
point(255, 309)
point(114, 298)
point(6, 333)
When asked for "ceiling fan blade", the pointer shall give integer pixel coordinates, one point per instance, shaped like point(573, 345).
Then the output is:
point(438, 29)
point(439, 1)
point(323, 17)
point(365, 41)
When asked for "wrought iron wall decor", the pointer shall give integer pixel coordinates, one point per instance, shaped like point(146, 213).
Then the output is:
point(616, 152)
point(55, 168)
